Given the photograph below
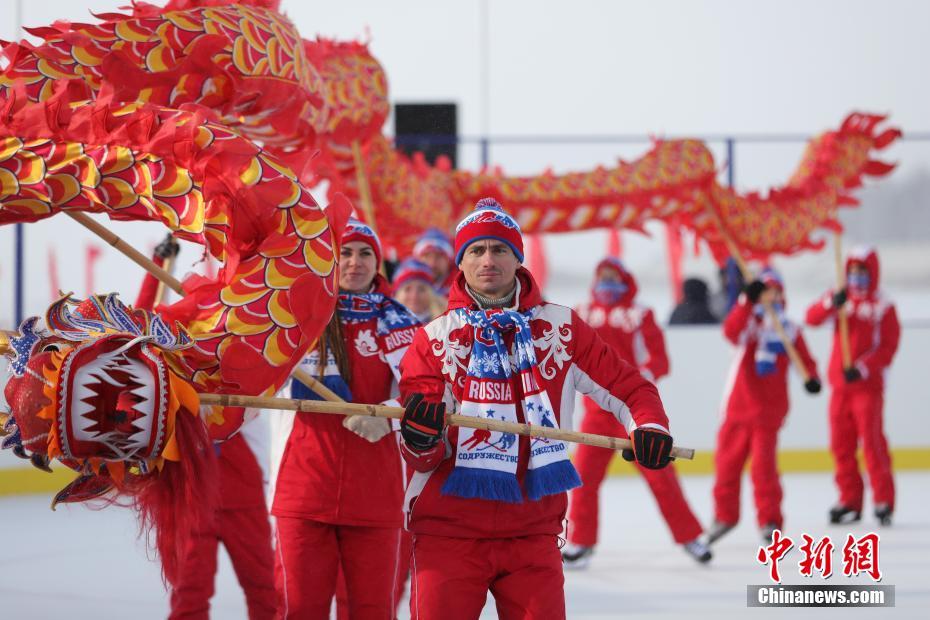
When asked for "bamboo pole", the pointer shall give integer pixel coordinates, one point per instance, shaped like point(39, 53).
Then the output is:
point(381, 411)
point(841, 317)
point(791, 350)
point(171, 282)
point(132, 253)
point(335, 405)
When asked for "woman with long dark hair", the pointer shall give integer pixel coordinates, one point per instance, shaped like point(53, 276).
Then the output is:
point(338, 492)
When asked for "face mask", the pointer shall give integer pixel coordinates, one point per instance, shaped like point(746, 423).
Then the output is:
point(859, 281)
point(759, 309)
point(609, 292)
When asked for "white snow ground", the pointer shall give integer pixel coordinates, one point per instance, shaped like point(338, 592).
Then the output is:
point(81, 564)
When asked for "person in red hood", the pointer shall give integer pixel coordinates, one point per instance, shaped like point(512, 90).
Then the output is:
point(486, 508)
point(338, 491)
point(756, 406)
point(858, 391)
point(631, 329)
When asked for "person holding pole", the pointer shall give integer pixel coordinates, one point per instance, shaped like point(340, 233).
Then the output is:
point(240, 521)
point(858, 384)
point(485, 507)
point(632, 330)
point(338, 488)
point(756, 405)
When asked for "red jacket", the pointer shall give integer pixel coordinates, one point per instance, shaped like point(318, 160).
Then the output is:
point(874, 331)
point(750, 397)
point(630, 329)
point(572, 358)
point(326, 472)
point(241, 477)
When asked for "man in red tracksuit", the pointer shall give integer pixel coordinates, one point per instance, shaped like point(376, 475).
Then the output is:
point(631, 329)
point(240, 522)
point(486, 508)
point(858, 391)
point(756, 406)
point(243, 526)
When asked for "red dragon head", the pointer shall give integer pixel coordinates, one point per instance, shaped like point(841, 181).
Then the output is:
point(100, 389)
point(97, 388)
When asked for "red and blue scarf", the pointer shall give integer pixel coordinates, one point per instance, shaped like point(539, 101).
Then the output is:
point(486, 461)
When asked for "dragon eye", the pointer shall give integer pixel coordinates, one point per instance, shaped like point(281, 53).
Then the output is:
point(50, 347)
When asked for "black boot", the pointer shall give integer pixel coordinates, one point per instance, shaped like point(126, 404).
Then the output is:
point(717, 530)
point(576, 557)
point(767, 531)
point(844, 514)
point(883, 514)
point(698, 550)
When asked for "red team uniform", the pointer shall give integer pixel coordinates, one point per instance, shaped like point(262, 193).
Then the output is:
point(484, 511)
point(240, 521)
point(857, 396)
point(755, 408)
point(243, 527)
point(337, 496)
point(632, 331)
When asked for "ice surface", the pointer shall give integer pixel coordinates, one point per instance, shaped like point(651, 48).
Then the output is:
point(84, 564)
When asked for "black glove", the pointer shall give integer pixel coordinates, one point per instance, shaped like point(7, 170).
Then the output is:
point(169, 248)
point(812, 385)
point(422, 424)
point(852, 374)
point(839, 298)
point(652, 448)
point(628, 456)
point(754, 290)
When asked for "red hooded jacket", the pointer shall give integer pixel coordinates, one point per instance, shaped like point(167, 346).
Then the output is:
point(874, 330)
point(629, 328)
point(572, 358)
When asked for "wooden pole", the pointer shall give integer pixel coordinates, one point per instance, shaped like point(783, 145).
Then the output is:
point(171, 282)
point(792, 351)
point(841, 317)
point(335, 405)
point(134, 255)
point(381, 411)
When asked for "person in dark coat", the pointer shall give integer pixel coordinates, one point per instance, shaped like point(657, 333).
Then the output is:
point(694, 309)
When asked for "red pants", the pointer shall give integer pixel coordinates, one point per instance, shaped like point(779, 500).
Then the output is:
point(246, 534)
point(404, 559)
point(592, 464)
point(856, 416)
point(451, 577)
point(737, 441)
point(309, 557)
point(405, 549)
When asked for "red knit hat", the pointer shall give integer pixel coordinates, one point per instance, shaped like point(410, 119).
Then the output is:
point(488, 221)
point(360, 231)
point(409, 270)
